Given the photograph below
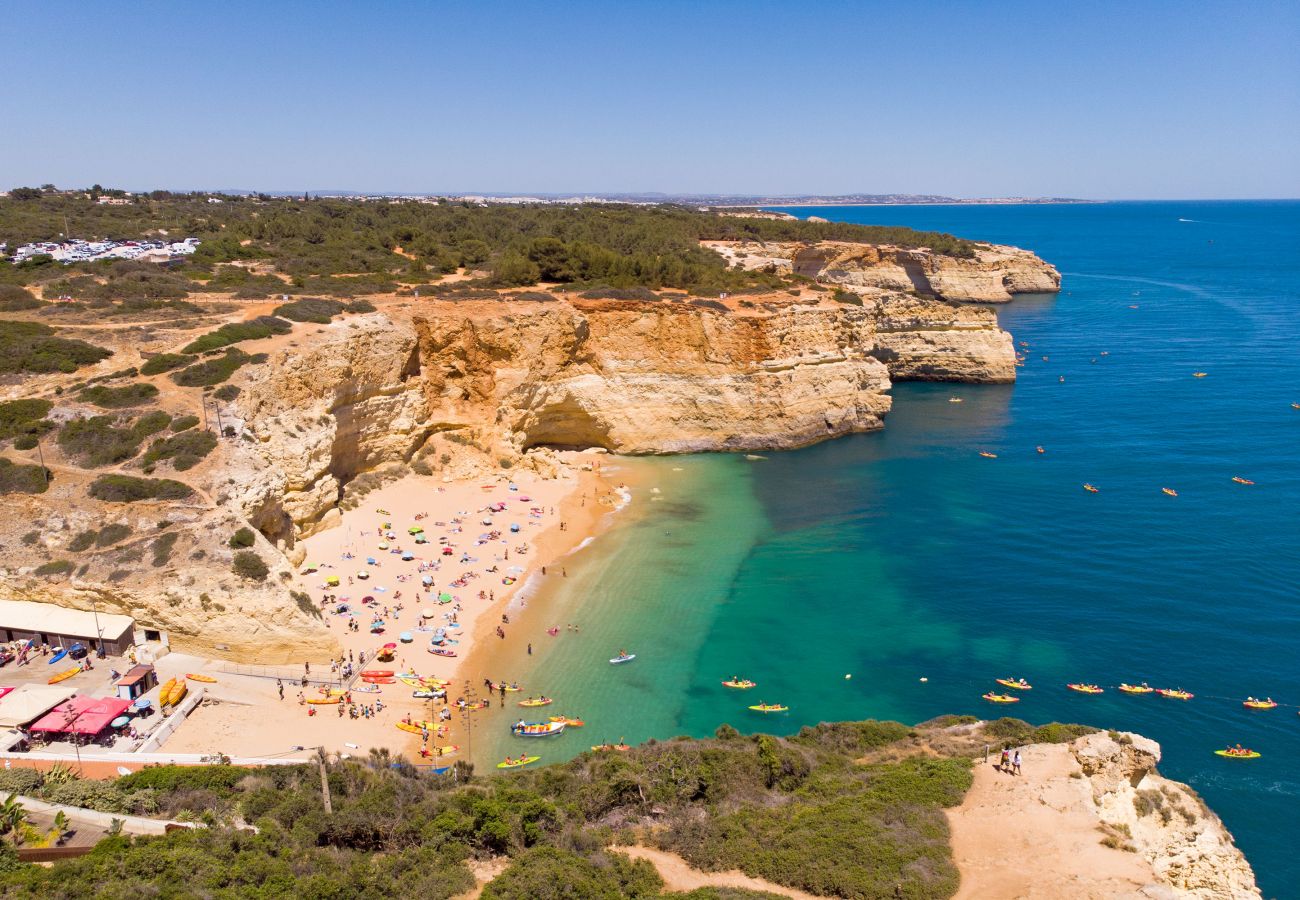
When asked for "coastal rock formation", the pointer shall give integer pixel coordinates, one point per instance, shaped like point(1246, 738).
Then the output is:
point(994, 275)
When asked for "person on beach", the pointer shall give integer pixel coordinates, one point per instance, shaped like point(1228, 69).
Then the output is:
point(280, 687)
point(1004, 763)
point(1016, 763)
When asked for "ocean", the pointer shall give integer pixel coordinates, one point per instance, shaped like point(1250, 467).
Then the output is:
point(895, 575)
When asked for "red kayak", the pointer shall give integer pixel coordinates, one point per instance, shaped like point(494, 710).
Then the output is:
point(376, 673)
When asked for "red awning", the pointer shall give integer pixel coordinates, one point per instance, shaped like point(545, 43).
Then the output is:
point(82, 715)
point(5, 690)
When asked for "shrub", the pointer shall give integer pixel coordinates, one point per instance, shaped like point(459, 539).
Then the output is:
point(56, 567)
point(103, 796)
point(83, 541)
point(16, 478)
point(101, 441)
point(32, 347)
point(119, 397)
point(185, 450)
point(162, 549)
point(839, 295)
point(212, 371)
point(549, 873)
point(16, 299)
point(184, 423)
point(126, 489)
point(219, 779)
point(248, 564)
point(234, 332)
point(244, 537)
point(20, 781)
point(112, 534)
point(609, 293)
point(164, 362)
point(312, 309)
point(360, 306)
point(226, 392)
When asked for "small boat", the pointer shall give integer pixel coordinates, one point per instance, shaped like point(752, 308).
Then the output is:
point(1085, 688)
point(58, 655)
point(624, 658)
point(1252, 703)
point(1020, 685)
point(516, 763)
point(768, 707)
point(988, 455)
point(1295, 405)
point(1239, 754)
point(1173, 694)
point(370, 674)
point(537, 729)
point(1170, 491)
point(477, 704)
point(179, 690)
point(508, 688)
point(954, 400)
point(444, 751)
point(1240, 480)
point(415, 727)
point(540, 701)
point(1199, 374)
point(64, 675)
point(572, 723)
point(742, 685)
point(325, 701)
point(1000, 698)
point(1040, 449)
point(1091, 488)
point(607, 748)
point(442, 651)
point(206, 679)
point(1136, 689)
point(414, 681)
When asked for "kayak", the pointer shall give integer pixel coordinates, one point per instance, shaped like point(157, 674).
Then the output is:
point(543, 701)
point(371, 682)
point(206, 679)
point(606, 748)
point(1174, 695)
point(412, 681)
point(537, 729)
point(1136, 689)
point(1249, 754)
point(572, 723)
point(507, 688)
point(988, 455)
point(740, 685)
point(768, 707)
point(1092, 489)
point(527, 760)
point(325, 701)
point(1000, 698)
point(1170, 491)
point(376, 673)
point(414, 727)
point(1240, 480)
point(1085, 688)
point(622, 659)
point(1018, 685)
point(57, 656)
point(64, 675)
point(425, 694)
point(179, 690)
point(1199, 374)
point(439, 651)
point(1260, 704)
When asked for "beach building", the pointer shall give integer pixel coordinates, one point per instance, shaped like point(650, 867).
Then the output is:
point(137, 682)
point(22, 620)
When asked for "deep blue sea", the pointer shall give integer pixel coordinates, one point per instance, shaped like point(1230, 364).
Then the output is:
point(903, 554)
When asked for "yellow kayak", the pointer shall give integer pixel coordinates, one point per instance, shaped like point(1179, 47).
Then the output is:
point(1175, 694)
point(742, 685)
point(1020, 685)
point(206, 679)
point(514, 764)
point(1136, 689)
point(1000, 698)
point(324, 701)
point(768, 707)
point(541, 701)
point(1085, 688)
point(572, 723)
point(65, 675)
point(1260, 704)
point(1236, 754)
point(414, 727)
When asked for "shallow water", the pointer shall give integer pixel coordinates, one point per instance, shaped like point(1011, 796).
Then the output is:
point(904, 554)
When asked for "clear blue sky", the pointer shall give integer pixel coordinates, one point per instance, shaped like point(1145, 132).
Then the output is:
point(1107, 100)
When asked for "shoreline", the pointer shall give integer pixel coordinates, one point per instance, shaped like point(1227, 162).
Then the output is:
point(484, 578)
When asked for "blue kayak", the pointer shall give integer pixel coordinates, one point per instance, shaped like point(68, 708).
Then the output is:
point(58, 656)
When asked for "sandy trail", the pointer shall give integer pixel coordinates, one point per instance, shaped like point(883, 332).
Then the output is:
point(1036, 835)
point(679, 875)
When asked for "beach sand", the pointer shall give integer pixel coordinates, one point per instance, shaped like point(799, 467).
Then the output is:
point(553, 517)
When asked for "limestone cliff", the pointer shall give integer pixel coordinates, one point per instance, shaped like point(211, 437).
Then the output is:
point(994, 275)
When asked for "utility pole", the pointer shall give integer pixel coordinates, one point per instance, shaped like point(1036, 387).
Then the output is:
point(324, 782)
point(204, 401)
point(45, 473)
point(217, 409)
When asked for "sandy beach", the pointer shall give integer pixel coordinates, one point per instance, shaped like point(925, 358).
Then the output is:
point(484, 546)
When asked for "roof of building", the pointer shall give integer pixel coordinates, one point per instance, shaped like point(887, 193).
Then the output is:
point(27, 615)
point(134, 674)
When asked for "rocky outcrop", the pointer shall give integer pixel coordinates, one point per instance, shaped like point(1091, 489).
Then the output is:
point(994, 275)
point(1166, 823)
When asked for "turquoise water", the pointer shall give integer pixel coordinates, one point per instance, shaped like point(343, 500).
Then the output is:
point(904, 554)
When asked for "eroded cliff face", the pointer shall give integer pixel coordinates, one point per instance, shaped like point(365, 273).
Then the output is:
point(994, 275)
point(1165, 822)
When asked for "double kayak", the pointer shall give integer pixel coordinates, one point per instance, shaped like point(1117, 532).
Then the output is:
point(1085, 688)
point(572, 723)
point(1136, 689)
point(1237, 754)
point(64, 675)
point(516, 763)
point(1260, 704)
point(1000, 698)
point(1020, 685)
point(536, 729)
point(540, 701)
point(742, 685)
point(1173, 694)
point(768, 707)
point(607, 748)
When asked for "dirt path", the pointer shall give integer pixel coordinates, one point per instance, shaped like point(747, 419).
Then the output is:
point(679, 875)
point(1036, 836)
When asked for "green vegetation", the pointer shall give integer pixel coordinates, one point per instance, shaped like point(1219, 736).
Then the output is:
point(104, 537)
point(185, 450)
point(126, 489)
point(212, 371)
point(164, 362)
point(226, 392)
point(162, 549)
point(248, 564)
point(1017, 731)
point(184, 423)
point(16, 478)
point(32, 347)
point(56, 567)
point(244, 537)
point(106, 440)
point(233, 333)
point(127, 395)
point(20, 418)
point(311, 309)
point(17, 299)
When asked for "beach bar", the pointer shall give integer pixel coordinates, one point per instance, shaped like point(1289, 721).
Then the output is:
point(22, 620)
point(136, 682)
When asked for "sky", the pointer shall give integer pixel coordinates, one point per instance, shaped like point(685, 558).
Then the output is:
point(1146, 99)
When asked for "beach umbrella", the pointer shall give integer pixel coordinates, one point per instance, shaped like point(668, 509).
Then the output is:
point(427, 613)
point(311, 568)
point(390, 646)
point(120, 722)
point(142, 703)
point(370, 560)
point(514, 528)
point(367, 599)
point(408, 555)
point(383, 545)
point(362, 574)
point(518, 570)
point(445, 598)
point(415, 529)
point(427, 580)
point(333, 580)
point(421, 539)
point(405, 637)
